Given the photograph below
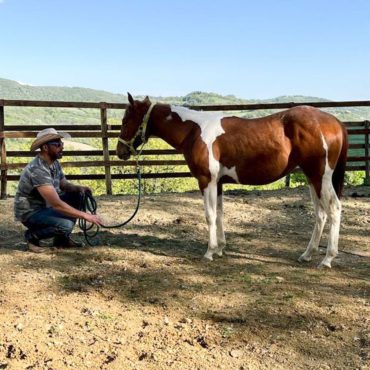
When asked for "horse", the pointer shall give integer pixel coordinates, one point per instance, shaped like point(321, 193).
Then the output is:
point(228, 149)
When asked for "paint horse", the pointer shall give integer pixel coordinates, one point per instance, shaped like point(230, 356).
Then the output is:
point(258, 151)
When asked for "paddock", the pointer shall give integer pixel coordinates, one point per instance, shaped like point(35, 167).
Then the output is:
point(144, 298)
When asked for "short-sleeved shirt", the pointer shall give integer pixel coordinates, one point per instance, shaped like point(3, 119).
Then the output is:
point(38, 172)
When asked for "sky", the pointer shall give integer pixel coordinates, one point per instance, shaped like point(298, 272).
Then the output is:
point(253, 49)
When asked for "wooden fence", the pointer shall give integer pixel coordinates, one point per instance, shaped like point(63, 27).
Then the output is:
point(107, 132)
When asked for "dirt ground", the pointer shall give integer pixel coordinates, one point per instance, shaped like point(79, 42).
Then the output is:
point(144, 298)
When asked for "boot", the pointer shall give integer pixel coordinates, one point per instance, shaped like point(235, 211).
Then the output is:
point(66, 242)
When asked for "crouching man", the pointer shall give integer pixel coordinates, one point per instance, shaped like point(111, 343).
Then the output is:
point(45, 202)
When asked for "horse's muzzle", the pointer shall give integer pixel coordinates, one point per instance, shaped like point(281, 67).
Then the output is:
point(123, 151)
point(124, 156)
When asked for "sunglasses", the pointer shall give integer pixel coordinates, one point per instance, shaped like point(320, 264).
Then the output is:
point(58, 144)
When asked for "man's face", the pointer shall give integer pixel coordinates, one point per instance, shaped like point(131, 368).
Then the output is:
point(55, 149)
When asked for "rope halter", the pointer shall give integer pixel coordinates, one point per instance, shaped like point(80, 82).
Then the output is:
point(140, 132)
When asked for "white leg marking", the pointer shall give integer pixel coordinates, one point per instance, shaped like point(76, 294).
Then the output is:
point(210, 205)
point(333, 209)
point(220, 226)
point(332, 206)
point(223, 171)
point(321, 216)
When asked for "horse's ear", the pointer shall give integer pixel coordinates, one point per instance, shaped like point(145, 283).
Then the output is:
point(130, 99)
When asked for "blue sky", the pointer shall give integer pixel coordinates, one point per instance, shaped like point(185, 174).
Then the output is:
point(250, 49)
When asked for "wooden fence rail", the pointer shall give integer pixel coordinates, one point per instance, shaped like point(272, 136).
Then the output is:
point(107, 132)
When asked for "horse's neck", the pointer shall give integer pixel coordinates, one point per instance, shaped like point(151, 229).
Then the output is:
point(167, 127)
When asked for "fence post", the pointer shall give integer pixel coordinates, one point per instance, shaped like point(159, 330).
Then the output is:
point(3, 153)
point(104, 130)
point(367, 151)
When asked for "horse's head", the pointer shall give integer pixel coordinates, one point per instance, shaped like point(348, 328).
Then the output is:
point(133, 129)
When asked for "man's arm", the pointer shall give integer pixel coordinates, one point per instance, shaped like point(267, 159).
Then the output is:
point(51, 197)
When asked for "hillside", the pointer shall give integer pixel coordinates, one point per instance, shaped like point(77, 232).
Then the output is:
point(13, 90)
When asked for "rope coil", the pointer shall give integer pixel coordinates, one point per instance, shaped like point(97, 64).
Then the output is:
point(89, 205)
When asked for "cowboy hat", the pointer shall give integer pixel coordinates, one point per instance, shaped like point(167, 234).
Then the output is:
point(48, 134)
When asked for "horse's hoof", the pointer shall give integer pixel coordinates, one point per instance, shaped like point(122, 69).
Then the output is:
point(219, 253)
point(207, 257)
point(324, 265)
point(304, 258)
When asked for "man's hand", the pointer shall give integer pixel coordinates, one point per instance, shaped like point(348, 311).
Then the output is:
point(93, 219)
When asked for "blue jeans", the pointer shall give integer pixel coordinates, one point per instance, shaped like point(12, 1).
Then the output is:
point(47, 223)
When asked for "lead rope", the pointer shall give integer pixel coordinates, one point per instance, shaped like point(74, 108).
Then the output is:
point(89, 204)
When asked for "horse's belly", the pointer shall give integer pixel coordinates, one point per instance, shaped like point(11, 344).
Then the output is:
point(259, 179)
point(258, 172)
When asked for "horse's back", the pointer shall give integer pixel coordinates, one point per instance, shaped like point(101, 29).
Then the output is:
point(308, 117)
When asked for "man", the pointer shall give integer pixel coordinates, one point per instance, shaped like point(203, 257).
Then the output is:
point(45, 202)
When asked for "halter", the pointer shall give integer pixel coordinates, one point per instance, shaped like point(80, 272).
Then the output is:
point(140, 131)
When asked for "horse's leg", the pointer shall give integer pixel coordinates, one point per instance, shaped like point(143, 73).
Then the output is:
point(333, 208)
point(313, 245)
point(210, 205)
point(220, 221)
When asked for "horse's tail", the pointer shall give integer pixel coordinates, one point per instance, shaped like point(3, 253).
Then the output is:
point(338, 174)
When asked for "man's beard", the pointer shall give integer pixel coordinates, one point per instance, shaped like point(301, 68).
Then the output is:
point(56, 156)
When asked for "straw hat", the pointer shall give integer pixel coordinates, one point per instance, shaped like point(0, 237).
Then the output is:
point(48, 134)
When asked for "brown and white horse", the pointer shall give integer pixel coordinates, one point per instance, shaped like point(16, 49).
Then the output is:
point(258, 151)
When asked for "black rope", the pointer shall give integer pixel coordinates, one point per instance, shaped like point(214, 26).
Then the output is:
point(88, 204)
